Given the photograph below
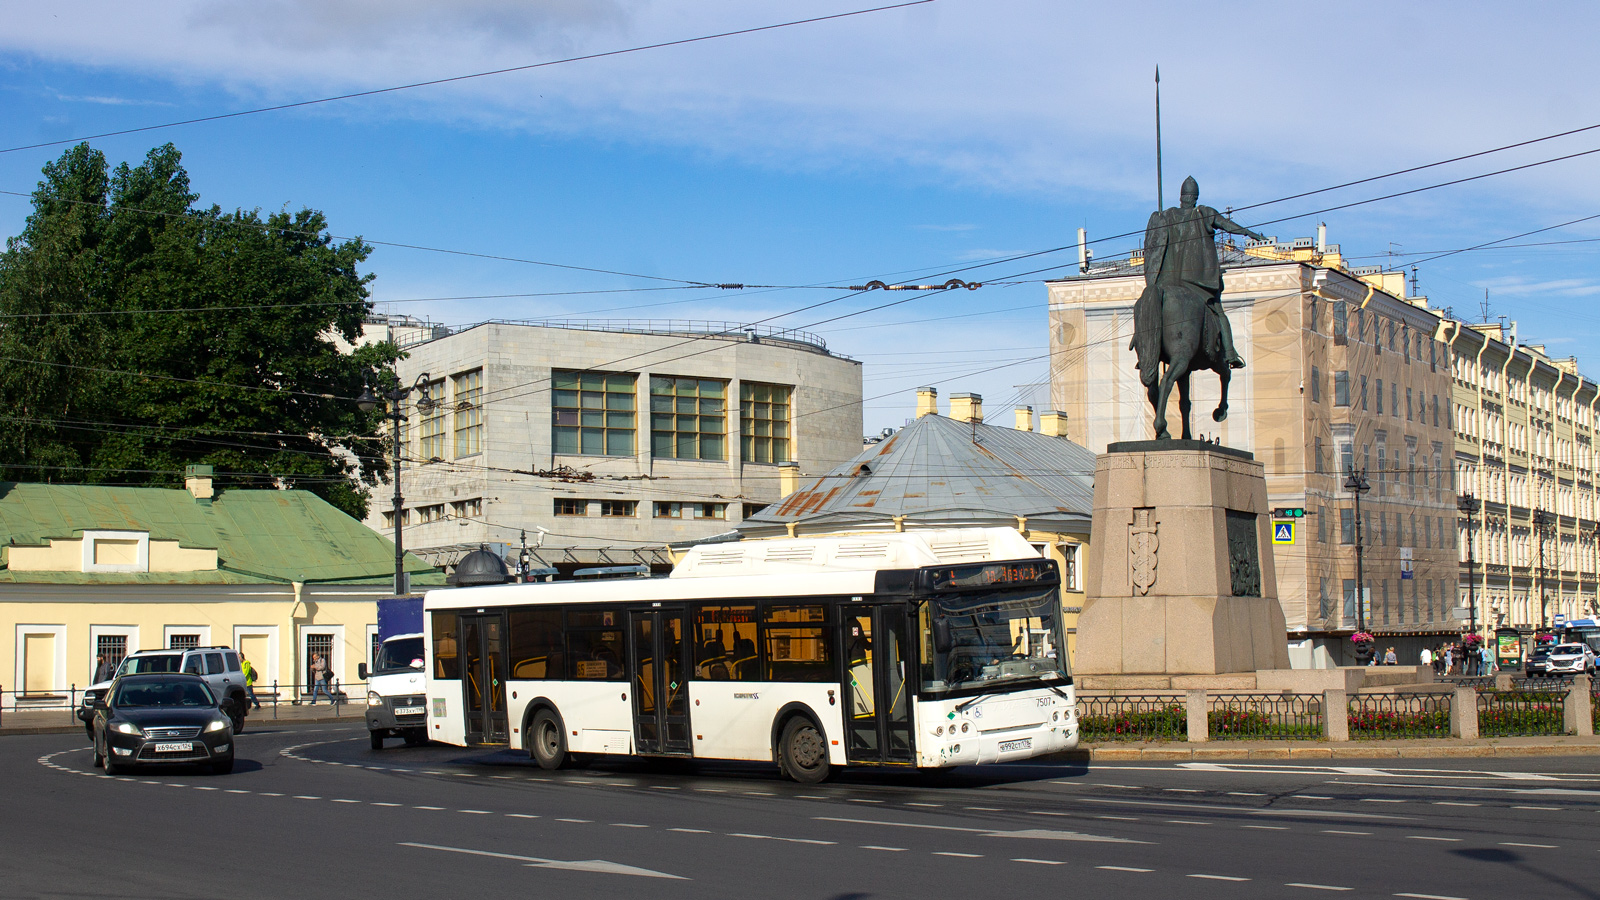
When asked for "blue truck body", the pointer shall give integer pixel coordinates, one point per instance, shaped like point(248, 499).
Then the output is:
point(399, 615)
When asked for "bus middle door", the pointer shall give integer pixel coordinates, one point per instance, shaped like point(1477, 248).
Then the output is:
point(658, 672)
point(483, 677)
point(877, 707)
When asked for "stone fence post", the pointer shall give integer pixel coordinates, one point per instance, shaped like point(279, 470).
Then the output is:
point(1336, 714)
point(1502, 681)
point(1464, 714)
point(1578, 711)
point(1195, 705)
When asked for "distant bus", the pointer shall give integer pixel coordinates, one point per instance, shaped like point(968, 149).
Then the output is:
point(915, 649)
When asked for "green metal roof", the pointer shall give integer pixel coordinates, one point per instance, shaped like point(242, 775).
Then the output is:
point(259, 536)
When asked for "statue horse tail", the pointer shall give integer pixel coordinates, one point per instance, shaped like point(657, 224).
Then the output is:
point(1147, 329)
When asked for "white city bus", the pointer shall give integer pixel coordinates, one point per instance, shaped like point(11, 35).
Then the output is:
point(935, 648)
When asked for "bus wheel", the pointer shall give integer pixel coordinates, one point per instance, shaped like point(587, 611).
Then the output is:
point(546, 744)
point(804, 754)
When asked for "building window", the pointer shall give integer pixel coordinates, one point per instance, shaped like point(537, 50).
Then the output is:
point(1316, 446)
point(1341, 389)
point(466, 509)
point(183, 641)
point(388, 518)
point(751, 509)
point(688, 418)
point(1408, 404)
point(431, 513)
point(1341, 324)
point(1347, 459)
point(1350, 599)
point(1394, 399)
point(1347, 526)
point(469, 413)
point(619, 509)
point(691, 510)
point(111, 647)
point(1316, 385)
point(430, 434)
point(1380, 397)
point(764, 422)
point(1322, 598)
point(567, 506)
point(1436, 410)
point(1363, 393)
point(593, 413)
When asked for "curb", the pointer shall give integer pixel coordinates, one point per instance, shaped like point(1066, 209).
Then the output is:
point(1365, 750)
point(252, 727)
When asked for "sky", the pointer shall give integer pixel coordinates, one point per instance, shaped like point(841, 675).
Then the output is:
point(913, 144)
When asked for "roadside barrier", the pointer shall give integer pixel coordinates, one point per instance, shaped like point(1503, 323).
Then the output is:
point(1133, 717)
point(1283, 717)
point(1400, 715)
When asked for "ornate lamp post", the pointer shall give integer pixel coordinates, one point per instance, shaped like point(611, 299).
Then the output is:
point(1541, 521)
point(1356, 483)
point(1468, 505)
point(395, 411)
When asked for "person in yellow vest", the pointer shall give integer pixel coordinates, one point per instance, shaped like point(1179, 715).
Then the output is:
point(249, 680)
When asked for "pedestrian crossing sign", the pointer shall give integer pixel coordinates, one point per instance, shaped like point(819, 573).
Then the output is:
point(1283, 532)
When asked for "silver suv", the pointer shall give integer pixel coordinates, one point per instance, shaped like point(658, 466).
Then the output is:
point(219, 666)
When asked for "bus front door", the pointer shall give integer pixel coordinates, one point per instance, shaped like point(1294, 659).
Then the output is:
point(483, 677)
point(659, 673)
point(878, 710)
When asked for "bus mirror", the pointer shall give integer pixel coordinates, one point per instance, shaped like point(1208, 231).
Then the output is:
point(361, 671)
point(941, 634)
point(416, 664)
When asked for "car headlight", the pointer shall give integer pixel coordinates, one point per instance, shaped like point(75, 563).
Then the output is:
point(126, 728)
point(374, 699)
point(217, 725)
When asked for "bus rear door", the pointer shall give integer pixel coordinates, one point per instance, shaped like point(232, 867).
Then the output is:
point(658, 671)
point(878, 708)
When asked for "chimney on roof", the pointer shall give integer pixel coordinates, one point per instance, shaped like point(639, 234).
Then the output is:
point(966, 407)
point(788, 478)
point(1053, 423)
point(927, 401)
point(1024, 418)
point(198, 480)
point(1322, 238)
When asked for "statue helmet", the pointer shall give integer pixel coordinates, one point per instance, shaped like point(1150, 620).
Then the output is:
point(1190, 187)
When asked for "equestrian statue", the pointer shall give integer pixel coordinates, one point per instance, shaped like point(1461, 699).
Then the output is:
point(1179, 319)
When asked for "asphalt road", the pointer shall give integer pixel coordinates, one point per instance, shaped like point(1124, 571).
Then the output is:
point(311, 812)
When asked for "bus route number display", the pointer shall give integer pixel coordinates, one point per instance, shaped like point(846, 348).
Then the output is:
point(1008, 574)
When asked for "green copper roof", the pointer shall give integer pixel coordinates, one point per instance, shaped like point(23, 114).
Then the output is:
point(259, 536)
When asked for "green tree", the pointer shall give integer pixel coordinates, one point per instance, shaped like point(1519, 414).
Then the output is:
point(140, 334)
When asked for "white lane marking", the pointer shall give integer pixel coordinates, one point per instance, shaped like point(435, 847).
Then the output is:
point(1120, 818)
point(474, 812)
point(1245, 794)
point(201, 787)
point(1426, 837)
point(1376, 800)
point(1517, 844)
point(690, 830)
point(236, 791)
point(790, 840)
point(590, 865)
point(1248, 810)
point(1181, 791)
point(1267, 827)
point(1317, 887)
point(663, 787)
point(263, 793)
point(578, 821)
point(985, 808)
point(1478, 788)
point(521, 816)
point(810, 797)
point(924, 804)
point(376, 803)
point(1332, 831)
point(1453, 803)
point(958, 855)
point(711, 790)
point(1430, 897)
point(305, 797)
point(1042, 862)
point(848, 799)
point(1123, 869)
point(1217, 877)
point(766, 794)
point(627, 825)
point(428, 807)
point(1036, 833)
point(347, 801)
point(1546, 808)
point(1308, 797)
point(889, 849)
point(1185, 822)
point(503, 777)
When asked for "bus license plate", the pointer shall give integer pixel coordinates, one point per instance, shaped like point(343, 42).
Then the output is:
point(410, 710)
point(1023, 744)
point(175, 747)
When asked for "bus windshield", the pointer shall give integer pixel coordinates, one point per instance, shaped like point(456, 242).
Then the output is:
point(398, 655)
point(991, 638)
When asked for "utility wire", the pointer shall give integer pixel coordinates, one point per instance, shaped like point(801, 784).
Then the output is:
point(455, 78)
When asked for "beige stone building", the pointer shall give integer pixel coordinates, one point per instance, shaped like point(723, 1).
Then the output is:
point(1343, 370)
point(606, 441)
point(1525, 428)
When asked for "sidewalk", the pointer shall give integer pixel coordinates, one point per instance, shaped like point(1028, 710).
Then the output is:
point(61, 721)
point(1435, 748)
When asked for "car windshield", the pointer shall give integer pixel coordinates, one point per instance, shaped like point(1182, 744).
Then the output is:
point(1568, 650)
point(151, 694)
point(991, 637)
point(397, 655)
point(151, 665)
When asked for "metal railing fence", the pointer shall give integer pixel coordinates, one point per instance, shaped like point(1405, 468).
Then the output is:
point(1400, 715)
point(1133, 717)
point(1513, 713)
point(1283, 716)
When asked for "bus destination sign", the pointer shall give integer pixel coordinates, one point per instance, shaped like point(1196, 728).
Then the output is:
point(1017, 573)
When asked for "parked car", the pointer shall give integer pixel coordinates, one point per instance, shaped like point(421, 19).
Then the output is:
point(1569, 659)
point(161, 719)
point(1536, 662)
point(219, 666)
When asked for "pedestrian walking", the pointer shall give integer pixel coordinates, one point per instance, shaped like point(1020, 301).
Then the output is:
point(104, 670)
point(1389, 657)
point(1488, 660)
point(249, 680)
point(1426, 657)
point(321, 678)
point(1449, 658)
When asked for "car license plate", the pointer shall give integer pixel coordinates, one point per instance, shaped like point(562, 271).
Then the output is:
point(175, 747)
point(410, 710)
point(1023, 744)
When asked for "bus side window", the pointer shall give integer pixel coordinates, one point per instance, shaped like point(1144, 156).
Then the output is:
point(446, 664)
point(594, 644)
point(536, 644)
point(797, 641)
point(725, 643)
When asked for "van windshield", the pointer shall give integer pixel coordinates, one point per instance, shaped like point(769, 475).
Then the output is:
point(988, 638)
point(396, 656)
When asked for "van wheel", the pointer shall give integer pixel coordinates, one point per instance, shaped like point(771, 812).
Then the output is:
point(547, 744)
point(803, 754)
point(416, 738)
point(377, 739)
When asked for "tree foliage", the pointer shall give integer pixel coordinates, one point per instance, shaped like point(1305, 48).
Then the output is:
point(140, 334)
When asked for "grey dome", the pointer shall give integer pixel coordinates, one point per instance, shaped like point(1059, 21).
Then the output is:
point(480, 567)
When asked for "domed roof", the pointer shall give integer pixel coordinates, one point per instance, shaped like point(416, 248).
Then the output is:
point(480, 567)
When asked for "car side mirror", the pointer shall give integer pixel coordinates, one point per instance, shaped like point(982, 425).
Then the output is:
point(361, 671)
point(941, 635)
point(100, 703)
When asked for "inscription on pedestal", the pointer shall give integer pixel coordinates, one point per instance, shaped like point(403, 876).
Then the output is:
point(1244, 563)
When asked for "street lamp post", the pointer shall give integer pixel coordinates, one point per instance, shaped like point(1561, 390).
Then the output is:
point(1468, 504)
point(1541, 520)
point(1356, 483)
point(395, 411)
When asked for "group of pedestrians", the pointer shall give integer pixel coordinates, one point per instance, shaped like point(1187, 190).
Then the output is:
point(1454, 658)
